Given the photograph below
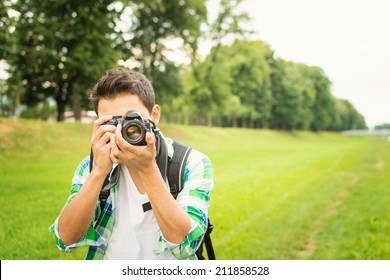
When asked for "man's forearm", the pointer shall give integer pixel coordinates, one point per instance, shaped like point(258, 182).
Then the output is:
point(174, 222)
point(77, 215)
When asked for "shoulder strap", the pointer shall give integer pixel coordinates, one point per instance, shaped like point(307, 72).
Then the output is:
point(110, 181)
point(176, 167)
point(176, 175)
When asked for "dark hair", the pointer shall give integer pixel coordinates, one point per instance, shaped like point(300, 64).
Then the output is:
point(121, 81)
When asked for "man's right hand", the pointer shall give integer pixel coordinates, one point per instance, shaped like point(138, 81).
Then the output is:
point(100, 142)
point(77, 215)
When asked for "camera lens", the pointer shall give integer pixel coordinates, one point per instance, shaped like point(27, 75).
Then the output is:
point(133, 132)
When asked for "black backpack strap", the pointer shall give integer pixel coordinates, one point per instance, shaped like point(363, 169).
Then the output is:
point(176, 167)
point(162, 154)
point(162, 162)
point(176, 174)
point(209, 246)
point(110, 181)
point(207, 241)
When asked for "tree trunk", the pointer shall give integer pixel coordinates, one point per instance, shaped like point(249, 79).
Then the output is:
point(199, 118)
point(209, 120)
point(17, 104)
point(186, 119)
point(1, 105)
point(234, 122)
point(74, 92)
point(245, 123)
point(61, 104)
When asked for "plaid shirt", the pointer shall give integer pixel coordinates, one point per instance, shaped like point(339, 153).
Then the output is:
point(194, 199)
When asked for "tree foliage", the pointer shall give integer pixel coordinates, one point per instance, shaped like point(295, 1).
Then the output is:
point(249, 87)
point(62, 48)
point(383, 126)
point(6, 25)
point(205, 93)
point(56, 50)
point(145, 42)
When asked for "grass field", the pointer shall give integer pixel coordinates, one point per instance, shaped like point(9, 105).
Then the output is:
point(277, 195)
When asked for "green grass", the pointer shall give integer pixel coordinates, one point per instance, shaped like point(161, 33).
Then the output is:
point(277, 195)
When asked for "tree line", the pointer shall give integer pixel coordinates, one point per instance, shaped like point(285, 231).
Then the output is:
point(56, 50)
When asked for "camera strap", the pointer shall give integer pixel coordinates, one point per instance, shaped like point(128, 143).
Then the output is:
point(111, 180)
point(162, 153)
point(161, 159)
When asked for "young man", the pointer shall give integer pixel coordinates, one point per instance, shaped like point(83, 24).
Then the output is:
point(172, 229)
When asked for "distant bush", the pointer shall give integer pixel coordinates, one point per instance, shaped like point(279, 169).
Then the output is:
point(41, 111)
point(383, 126)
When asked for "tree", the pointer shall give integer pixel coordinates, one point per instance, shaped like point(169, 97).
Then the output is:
point(383, 126)
point(145, 43)
point(227, 26)
point(6, 25)
point(250, 80)
point(323, 106)
point(62, 49)
point(352, 119)
point(288, 95)
point(7, 44)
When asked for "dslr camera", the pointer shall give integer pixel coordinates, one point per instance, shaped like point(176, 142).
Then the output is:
point(134, 127)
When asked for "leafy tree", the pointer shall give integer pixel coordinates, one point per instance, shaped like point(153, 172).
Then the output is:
point(323, 106)
point(227, 26)
point(145, 42)
point(346, 116)
point(6, 25)
point(250, 80)
point(62, 48)
point(383, 126)
point(287, 91)
point(239, 88)
point(353, 119)
point(308, 96)
point(7, 44)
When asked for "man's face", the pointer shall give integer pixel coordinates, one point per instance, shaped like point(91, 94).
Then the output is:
point(123, 103)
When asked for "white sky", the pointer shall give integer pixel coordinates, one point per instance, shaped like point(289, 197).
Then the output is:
point(348, 39)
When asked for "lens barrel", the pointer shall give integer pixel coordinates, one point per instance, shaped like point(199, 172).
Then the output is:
point(134, 131)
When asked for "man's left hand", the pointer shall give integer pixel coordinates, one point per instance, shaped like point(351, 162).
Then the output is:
point(139, 157)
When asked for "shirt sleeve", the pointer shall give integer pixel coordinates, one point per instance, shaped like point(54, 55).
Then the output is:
point(194, 199)
point(92, 237)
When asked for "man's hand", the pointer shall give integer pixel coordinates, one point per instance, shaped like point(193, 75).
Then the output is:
point(173, 221)
point(139, 157)
point(102, 137)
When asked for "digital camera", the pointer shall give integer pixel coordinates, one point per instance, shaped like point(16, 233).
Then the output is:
point(134, 127)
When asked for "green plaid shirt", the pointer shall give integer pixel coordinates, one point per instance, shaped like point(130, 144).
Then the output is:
point(194, 199)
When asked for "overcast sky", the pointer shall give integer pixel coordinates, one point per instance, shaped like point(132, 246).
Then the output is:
point(348, 39)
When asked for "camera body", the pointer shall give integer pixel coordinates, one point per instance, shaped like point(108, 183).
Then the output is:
point(134, 127)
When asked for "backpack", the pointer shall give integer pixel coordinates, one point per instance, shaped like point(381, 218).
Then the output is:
point(173, 170)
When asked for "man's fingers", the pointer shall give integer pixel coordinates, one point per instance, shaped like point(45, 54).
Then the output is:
point(103, 141)
point(150, 141)
point(100, 121)
point(101, 131)
point(120, 142)
point(114, 147)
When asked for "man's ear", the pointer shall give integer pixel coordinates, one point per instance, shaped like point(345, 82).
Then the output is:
point(156, 114)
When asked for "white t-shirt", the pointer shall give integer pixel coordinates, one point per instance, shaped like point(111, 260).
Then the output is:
point(135, 233)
